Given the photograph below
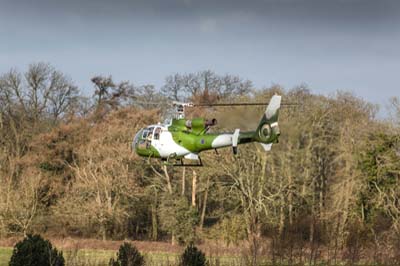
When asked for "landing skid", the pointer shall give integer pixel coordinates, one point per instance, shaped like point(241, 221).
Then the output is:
point(173, 161)
point(181, 162)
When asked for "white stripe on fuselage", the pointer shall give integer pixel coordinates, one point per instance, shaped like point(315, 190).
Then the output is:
point(222, 140)
point(166, 145)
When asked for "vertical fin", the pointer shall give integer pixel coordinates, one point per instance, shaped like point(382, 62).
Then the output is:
point(272, 111)
point(268, 130)
point(235, 140)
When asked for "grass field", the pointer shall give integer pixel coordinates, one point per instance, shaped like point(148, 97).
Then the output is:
point(102, 257)
point(95, 257)
point(5, 254)
point(92, 252)
point(88, 257)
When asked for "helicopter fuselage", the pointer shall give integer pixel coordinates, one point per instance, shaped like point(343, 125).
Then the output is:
point(163, 141)
point(183, 138)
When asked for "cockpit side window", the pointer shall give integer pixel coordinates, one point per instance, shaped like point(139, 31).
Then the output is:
point(150, 133)
point(145, 132)
point(157, 133)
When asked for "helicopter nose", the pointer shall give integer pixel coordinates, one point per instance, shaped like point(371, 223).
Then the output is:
point(133, 145)
point(135, 140)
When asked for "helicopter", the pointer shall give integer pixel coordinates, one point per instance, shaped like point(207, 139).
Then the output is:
point(180, 138)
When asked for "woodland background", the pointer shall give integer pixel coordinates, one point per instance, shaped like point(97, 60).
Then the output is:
point(328, 191)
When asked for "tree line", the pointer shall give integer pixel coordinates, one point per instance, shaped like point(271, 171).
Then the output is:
point(329, 190)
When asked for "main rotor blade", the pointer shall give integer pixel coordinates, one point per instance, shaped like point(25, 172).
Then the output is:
point(242, 104)
point(287, 104)
point(151, 103)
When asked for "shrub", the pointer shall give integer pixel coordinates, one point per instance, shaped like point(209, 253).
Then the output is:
point(127, 255)
point(193, 257)
point(35, 251)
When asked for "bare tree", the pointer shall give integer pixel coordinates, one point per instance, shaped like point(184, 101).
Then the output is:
point(20, 204)
point(257, 193)
point(41, 92)
point(65, 98)
point(233, 86)
point(204, 86)
point(101, 187)
point(104, 91)
point(111, 95)
point(174, 87)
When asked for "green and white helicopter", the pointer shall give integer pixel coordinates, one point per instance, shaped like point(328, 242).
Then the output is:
point(181, 138)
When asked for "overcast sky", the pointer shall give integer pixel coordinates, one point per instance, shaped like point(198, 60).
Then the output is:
point(327, 44)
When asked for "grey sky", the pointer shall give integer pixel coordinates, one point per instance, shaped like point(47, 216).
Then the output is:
point(329, 45)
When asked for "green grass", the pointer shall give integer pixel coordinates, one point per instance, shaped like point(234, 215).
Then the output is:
point(96, 257)
point(5, 255)
point(89, 257)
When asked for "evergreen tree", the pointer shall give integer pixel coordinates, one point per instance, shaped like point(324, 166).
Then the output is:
point(128, 255)
point(193, 257)
point(33, 250)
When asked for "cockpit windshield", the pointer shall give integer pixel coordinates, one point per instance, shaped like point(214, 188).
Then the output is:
point(144, 138)
point(136, 139)
point(147, 133)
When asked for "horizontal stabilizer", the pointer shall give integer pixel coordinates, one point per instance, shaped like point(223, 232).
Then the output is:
point(267, 147)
